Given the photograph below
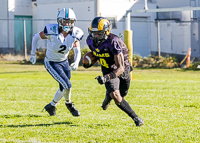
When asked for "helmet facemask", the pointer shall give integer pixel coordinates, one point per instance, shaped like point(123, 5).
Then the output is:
point(66, 24)
point(98, 37)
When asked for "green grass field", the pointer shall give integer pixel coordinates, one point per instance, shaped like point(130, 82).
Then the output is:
point(168, 100)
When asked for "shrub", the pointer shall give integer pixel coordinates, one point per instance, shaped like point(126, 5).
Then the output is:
point(193, 66)
point(154, 62)
point(138, 61)
point(41, 53)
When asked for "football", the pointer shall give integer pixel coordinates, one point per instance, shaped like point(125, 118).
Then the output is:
point(89, 59)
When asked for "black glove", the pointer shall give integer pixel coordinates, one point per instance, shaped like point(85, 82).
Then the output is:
point(87, 66)
point(103, 79)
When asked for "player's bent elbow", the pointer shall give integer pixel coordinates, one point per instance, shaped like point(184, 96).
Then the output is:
point(121, 70)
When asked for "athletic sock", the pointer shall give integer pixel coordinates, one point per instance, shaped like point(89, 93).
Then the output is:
point(124, 106)
point(57, 97)
point(68, 102)
point(53, 103)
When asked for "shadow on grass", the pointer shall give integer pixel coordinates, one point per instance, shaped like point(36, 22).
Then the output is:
point(31, 125)
point(23, 62)
point(16, 115)
point(21, 72)
point(36, 125)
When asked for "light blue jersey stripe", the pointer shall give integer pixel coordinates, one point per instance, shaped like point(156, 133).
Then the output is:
point(66, 12)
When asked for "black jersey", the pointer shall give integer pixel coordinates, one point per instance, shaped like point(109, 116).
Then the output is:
point(106, 51)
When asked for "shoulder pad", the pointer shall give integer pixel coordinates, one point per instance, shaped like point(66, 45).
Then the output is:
point(51, 29)
point(77, 33)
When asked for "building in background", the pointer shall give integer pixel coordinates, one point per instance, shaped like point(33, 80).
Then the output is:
point(178, 30)
point(12, 13)
point(113, 10)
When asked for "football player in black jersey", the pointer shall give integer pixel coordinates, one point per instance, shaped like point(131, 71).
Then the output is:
point(114, 58)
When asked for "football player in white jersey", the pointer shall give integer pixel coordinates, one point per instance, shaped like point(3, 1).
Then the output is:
point(61, 37)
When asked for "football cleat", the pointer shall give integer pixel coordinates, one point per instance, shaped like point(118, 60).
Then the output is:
point(72, 109)
point(50, 109)
point(106, 102)
point(138, 121)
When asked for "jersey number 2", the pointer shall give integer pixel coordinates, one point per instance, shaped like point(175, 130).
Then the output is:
point(62, 47)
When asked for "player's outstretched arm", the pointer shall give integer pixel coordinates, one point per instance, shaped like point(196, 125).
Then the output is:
point(77, 55)
point(35, 39)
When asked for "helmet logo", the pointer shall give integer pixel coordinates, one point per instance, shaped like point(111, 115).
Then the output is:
point(94, 29)
point(53, 29)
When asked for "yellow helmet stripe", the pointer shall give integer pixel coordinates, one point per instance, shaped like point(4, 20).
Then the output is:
point(101, 24)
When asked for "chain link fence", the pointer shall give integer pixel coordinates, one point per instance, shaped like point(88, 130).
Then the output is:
point(171, 36)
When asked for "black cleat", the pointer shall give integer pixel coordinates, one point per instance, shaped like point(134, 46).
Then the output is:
point(138, 121)
point(72, 109)
point(106, 102)
point(50, 109)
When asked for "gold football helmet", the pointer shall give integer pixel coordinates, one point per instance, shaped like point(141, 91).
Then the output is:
point(99, 30)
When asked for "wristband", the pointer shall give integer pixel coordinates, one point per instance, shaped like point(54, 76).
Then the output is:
point(113, 75)
point(107, 78)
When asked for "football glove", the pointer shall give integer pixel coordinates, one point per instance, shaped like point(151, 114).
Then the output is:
point(102, 79)
point(74, 66)
point(33, 59)
point(87, 66)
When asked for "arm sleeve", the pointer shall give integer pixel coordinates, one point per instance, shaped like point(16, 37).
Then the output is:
point(35, 39)
point(77, 55)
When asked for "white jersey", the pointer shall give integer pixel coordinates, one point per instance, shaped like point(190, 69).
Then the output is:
point(58, 46)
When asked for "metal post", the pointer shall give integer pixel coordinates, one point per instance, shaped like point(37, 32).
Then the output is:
point(158, 24)
point(25, 47)
point(128, 21)
point(8, 34)
point(145, 5)
point(128, 38)
point(97, 5)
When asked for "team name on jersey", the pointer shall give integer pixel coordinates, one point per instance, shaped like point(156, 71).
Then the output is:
point(101, 55)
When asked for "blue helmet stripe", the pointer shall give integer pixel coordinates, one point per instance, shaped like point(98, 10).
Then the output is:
point(66, 13)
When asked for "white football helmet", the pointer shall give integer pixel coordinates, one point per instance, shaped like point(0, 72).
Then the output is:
point(66, 19)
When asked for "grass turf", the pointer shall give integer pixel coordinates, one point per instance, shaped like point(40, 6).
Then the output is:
point(166, 99)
